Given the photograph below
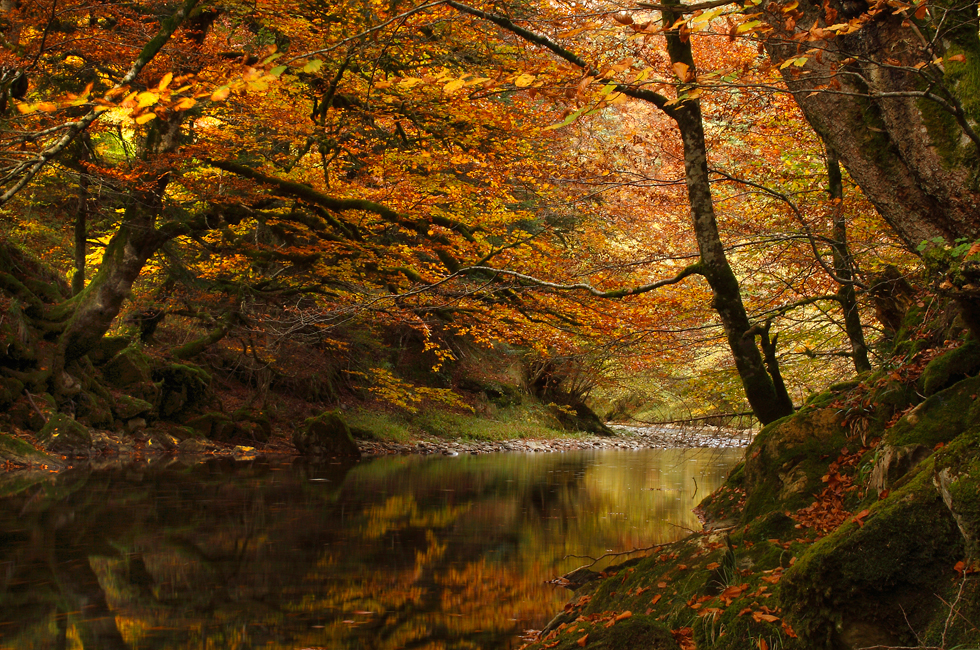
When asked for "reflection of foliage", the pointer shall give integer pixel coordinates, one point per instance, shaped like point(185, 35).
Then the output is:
point(397, 552)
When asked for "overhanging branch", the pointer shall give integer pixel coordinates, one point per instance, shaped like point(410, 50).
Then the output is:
point(693, 269)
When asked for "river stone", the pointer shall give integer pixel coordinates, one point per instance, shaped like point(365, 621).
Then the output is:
point(63, 435)
point(325, 435)
point(15, 450)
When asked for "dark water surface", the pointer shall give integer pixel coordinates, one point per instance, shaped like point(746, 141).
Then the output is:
point(398, 552)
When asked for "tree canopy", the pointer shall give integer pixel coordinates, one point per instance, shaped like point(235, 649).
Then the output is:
point(636, 185)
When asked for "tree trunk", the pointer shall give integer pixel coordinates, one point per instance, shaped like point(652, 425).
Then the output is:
point(81, 235)
point(843, 266)
point(766, 402)
point(914, 156)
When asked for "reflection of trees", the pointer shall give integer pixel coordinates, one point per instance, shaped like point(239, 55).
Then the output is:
point(401, 552)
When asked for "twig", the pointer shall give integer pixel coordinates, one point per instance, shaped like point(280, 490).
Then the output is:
point(602, 557)
point(34, 404)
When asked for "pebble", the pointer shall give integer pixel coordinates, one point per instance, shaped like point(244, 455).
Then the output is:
point(629, 437)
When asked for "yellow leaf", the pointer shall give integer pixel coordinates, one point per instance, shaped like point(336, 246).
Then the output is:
point(145, 99)
point(453, 86)
point(145, 117)
point(524, 80)
point(409, 82)
point(167, 78)
point(312, 65)
point(707, 16)
point(185, 104)
point(221, 94)
point(745, 27)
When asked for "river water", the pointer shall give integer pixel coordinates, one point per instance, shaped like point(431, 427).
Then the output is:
point(395, 552)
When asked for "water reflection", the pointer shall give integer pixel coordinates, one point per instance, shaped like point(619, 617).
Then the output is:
point(418, 552)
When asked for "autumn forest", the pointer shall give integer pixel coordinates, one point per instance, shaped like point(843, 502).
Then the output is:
point(739, 194)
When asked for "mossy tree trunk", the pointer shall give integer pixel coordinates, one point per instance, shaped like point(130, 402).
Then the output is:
point(904, 126)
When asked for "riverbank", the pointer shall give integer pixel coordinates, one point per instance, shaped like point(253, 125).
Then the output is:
point(19, 452)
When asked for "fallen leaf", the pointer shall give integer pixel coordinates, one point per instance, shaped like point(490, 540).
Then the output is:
point(581, 642)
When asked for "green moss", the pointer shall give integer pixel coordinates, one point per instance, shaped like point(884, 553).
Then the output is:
point(951, 367)
point(786, 460)
point(856, 582)
point(940, 418)
point(957, 473)
point(15, 450)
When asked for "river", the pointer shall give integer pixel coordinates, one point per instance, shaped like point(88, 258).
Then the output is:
point(394, 552)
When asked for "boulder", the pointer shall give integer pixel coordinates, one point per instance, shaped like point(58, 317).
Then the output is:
point(128, 407)
point(957, 477)
point(63, 435)
point(15, 450)
point(184, 390)
point(214, 425)
point(894, 462)
point(92, 410)
point(951, 367)
point(129, 367)
point(325, 435)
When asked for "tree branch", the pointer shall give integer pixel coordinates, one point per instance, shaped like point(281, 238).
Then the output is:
point(28, 170)
point(658, 100)
point(693, 269)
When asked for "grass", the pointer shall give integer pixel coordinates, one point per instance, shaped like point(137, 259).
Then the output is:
point(510, 423)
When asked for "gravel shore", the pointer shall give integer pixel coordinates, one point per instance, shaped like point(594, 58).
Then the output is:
point(627, 437)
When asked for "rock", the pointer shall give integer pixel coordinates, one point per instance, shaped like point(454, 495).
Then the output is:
point(325, 435)
point(136, 424)
point(15, 450)
point(107, 348)
point(127, 407)
point(10, 390)
point(895, 462)
point(129, 367)
point(184, 389)
point(951, 367)
point(957, 477)
point(63, 435)
point(194, 446)
point(214, 425)
point(92, 410)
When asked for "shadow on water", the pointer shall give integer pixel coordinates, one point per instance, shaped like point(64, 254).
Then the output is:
point(394, 552)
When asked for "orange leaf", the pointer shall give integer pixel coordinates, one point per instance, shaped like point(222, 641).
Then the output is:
point(656, 599)
point(712, 565)
point(581, 642)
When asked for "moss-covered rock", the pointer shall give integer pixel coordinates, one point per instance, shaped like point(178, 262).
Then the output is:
point(10, 390)
point(92, 410)
point(184, 390)
point(107, 348)
point(127, 407)
point(19, 452)
point(862, 585)
point(784, 463)
point(214, 425)
point(951, 367)
point(63, 435)
point(940, 418)
point(129, 367)
point(957, 477)
point(325, 435)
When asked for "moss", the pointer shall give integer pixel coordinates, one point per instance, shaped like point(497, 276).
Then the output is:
point(15, 450)
point(859, 583)
point(129, 367)
point(951, 367)
point(786, 460)
point(63, 435)
point(957, 475)
point(940, 418)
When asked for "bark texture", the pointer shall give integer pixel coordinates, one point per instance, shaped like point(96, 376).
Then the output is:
point(904, 127)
